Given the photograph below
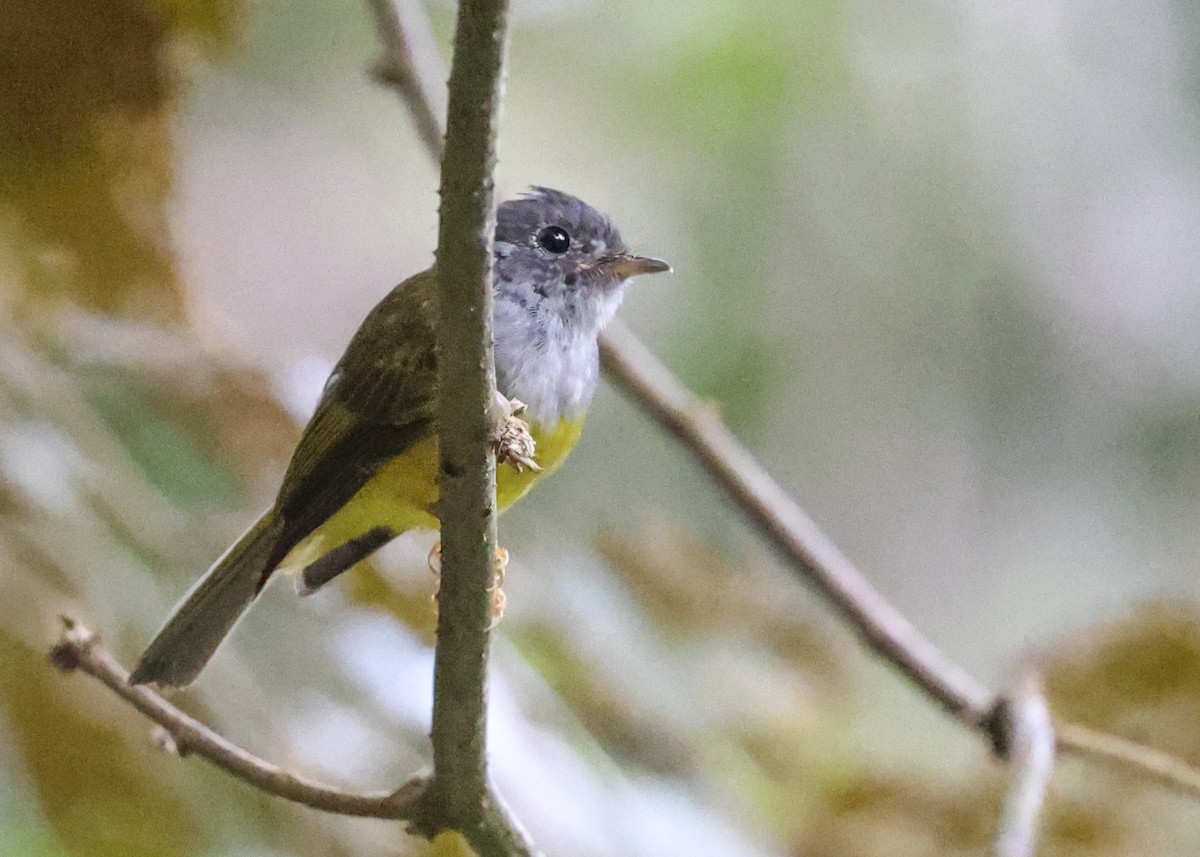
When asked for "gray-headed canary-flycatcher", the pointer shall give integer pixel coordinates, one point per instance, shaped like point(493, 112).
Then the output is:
point(366, 467)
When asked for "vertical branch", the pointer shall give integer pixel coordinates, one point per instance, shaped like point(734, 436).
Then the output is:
point(467, 388)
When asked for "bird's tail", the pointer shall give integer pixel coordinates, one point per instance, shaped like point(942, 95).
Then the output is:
point(204, 616)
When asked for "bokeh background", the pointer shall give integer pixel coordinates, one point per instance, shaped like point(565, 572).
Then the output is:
point(937, 263)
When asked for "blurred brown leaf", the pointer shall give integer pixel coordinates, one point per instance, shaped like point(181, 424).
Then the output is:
point(881, 815)
point(408, 601)
point(623, 727)
point(87, 90)
point(697, 590)
point(99, 778)
point(1138, 676)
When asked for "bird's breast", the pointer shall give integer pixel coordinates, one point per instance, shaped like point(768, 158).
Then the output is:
point(403, 494)
point(546, 363)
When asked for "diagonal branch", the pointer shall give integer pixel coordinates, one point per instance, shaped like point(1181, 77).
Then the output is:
point(77, 649)
point(636, 370)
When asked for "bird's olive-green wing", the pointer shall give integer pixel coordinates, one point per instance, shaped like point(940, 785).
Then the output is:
point(379, 401)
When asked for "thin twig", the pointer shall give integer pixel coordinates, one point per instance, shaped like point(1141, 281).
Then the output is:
point(654, 387)
point(1029, 739)
point(1152, 764)
point(77, 649)
point(405, 35)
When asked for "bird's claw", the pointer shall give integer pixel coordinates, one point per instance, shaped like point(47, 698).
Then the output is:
point(499, 599)
point(511, 439)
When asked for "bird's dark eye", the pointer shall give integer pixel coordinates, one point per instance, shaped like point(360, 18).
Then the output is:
point(554, 238)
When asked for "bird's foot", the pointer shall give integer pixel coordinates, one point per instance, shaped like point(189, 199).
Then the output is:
point(499, 568)
point(496, 590)
point(513, 443)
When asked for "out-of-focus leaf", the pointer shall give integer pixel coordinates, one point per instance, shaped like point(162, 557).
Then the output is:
point(875, 813)
point(624, 729)
point(223, 413)
point(19, 840)
point(93, 771)
point(212, 24)
point(86, 90)
point(368, 587)
point(697, 590)
point(879, 816)
point(168, 438)
point(1138, 677)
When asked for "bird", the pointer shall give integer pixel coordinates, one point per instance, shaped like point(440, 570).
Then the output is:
point(366, 467)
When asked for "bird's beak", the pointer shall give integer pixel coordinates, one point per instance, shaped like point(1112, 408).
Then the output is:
point(624, 266)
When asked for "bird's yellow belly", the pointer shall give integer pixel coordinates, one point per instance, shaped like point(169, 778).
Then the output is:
point(403, 495)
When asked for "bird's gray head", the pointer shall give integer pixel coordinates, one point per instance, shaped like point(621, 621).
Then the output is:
point(553, 247)
point(560, 273)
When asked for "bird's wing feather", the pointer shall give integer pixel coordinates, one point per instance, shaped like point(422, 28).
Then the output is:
point(380, 400)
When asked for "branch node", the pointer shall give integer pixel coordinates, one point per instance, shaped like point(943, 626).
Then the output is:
point(167, 741)
point(997, 725)
point(386, 71)
point(429, 813)
point(1023, 734)
point(408, 801)
point(73, 643)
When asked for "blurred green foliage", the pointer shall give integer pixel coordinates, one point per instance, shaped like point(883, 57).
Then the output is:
point(738, 89)
point(169, 439)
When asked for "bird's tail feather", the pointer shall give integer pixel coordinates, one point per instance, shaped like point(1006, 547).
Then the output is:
point(205, 615)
